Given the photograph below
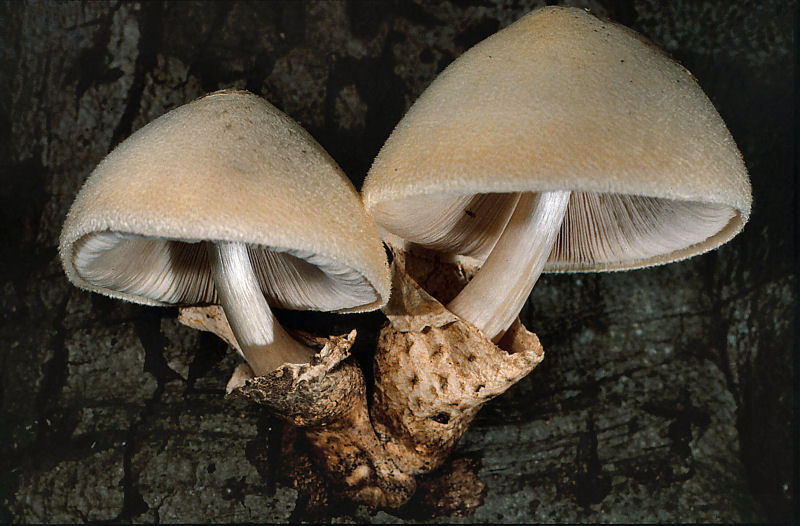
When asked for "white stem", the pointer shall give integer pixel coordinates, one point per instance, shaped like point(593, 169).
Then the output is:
point(264, 343)
point(494, 297)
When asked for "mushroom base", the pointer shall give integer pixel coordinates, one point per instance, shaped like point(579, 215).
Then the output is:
point(326, 398)
point(433, 372)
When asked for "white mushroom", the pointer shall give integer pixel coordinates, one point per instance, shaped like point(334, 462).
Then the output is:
point(564, 142)
point(227, 200)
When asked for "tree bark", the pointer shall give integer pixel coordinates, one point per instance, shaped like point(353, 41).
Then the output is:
point(665, 394)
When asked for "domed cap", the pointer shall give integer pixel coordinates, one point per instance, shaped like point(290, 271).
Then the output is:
point(226, 167)
point(564, 100)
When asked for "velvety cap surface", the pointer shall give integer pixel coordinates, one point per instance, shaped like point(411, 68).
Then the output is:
point(563, 100)
point(226, 167)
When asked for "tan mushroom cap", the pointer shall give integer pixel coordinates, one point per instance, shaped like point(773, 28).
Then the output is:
point(564, 100)
point(226, 167)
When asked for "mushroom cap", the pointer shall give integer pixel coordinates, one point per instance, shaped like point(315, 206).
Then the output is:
point(226, 167)
point(564, 100)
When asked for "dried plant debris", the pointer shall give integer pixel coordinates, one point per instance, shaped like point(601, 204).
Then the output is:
point(327, 399)
point(210, 318)
point(453, 490)
point(434, 371)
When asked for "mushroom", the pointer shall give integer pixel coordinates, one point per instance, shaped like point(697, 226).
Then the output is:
point(563, 143)
point(227, 200)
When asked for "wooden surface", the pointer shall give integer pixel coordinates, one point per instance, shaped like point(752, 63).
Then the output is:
point(665, 394)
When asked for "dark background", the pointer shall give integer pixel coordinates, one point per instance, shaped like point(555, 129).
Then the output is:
point(666, 394)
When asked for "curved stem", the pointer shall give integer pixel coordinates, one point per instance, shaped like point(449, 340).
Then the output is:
point(494, 297)
point(264, 343)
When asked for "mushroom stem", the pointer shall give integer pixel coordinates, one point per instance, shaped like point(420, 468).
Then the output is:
point(264, 343)
point(494, 297)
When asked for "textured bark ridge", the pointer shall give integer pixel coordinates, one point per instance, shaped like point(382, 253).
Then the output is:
point(327, 399)
point(434, 371)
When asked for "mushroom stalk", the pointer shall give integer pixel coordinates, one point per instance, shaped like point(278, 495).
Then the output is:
point(494, 297)
point(264, 343)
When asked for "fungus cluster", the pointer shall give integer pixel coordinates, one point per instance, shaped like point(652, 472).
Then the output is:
point(563, 143)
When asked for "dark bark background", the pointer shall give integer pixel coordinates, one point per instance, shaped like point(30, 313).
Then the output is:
point(665, 395)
